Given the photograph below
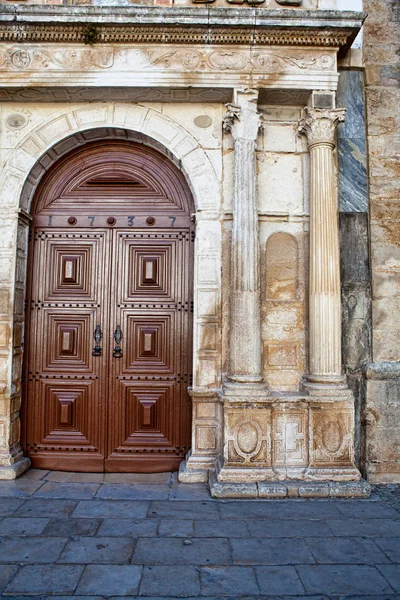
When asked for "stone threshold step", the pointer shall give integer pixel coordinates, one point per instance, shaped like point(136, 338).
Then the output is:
point(289, 489)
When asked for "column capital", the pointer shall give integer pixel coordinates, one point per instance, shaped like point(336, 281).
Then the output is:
point(319, 125)
point(242, 118)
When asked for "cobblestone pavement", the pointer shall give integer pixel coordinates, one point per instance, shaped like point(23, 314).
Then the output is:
point(100, 536)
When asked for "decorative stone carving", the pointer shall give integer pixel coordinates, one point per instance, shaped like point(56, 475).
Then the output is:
point(251, 2)
point(290, 438)
point(173, 57)
point(325, 365)
point(247, 437)
point(289, 2)
point(320, 125)
point(159, 33)
point(332, 437)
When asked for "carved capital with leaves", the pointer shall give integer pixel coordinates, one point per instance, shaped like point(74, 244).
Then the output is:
point(319, 125)
point(242, 118)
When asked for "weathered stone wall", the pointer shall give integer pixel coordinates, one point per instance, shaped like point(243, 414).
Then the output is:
point(354, 238)
point(382, 71)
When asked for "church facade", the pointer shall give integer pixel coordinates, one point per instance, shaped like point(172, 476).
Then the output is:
point(194, 273)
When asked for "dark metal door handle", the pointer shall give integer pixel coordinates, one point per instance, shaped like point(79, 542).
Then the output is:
point(117, 353)
point(97, 338)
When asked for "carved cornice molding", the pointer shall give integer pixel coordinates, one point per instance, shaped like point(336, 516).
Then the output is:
point(320, 125)
point(185, 25)
point(37, 33)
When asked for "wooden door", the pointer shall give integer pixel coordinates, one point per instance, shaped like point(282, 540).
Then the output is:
point(148, 418)
point(109, 330)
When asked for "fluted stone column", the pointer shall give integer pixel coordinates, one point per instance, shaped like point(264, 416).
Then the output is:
point(325, 365)
point(243, 121)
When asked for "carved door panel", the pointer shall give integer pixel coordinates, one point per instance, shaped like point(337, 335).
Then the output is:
point(66, 390)
point(149, 410)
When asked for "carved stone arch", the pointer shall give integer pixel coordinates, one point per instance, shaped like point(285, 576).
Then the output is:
point(200, 187)
point(282, 266)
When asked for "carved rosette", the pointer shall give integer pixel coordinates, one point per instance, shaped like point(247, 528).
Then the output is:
point(320, 125)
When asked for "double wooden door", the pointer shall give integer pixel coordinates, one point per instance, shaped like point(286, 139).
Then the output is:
point(109, 359)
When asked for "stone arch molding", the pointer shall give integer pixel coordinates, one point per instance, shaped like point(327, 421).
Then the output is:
point(69, 129)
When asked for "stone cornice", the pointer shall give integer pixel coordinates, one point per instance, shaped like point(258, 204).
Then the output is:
point(185, 25)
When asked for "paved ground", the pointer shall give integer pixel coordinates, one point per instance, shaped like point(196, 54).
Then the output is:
point(96, 536)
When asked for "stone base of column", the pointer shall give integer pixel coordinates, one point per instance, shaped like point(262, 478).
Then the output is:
point(8, 472)
point(243, 390)
point(289, 489)
point(290, 440)
point(326, 385)
point(195, 469)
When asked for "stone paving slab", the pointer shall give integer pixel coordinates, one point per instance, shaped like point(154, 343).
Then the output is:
point(220, 581)
point(22, 526)
point(271, 551)
point(343, 579)
point(128, 527)
point(173, 551)
point(170, 581)
point(86, 550)
point(109, 580)
point(120, 491)
point(41, 507)
point(46, 579)
point(71, 491)
point(279, 580)
point(115, 536)
point(288, 528)
point(71, 527)
point(31, 549)
point(8, 506)
point(346, 550)
point(110, 509)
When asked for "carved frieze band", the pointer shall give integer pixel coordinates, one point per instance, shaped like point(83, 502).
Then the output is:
point(296, 437)
point(182, 35)
point(151, 57)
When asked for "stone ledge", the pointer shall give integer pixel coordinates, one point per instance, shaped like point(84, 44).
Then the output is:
point(383, 370)
point(289, 489)
point(10, 472)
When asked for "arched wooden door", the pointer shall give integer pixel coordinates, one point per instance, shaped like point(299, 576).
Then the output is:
point(108, 359)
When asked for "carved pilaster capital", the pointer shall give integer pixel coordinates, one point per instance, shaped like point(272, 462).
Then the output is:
point(233, 113)
point(242, 118)
point(319, 125)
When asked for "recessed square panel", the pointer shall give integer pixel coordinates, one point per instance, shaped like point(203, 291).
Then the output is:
point(69, 340)
point(147, 343)
point(67, 418)
point(146, 414)
point(72, 270)
point(149, 269)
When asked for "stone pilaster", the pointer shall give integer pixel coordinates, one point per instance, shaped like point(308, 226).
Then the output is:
point(243, 121)
point(325, 367)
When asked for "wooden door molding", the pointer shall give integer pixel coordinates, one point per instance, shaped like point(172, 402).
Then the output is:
point(112, 245)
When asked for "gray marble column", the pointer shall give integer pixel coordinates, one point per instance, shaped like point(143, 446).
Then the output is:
point(325, 364)
point(243, 121)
